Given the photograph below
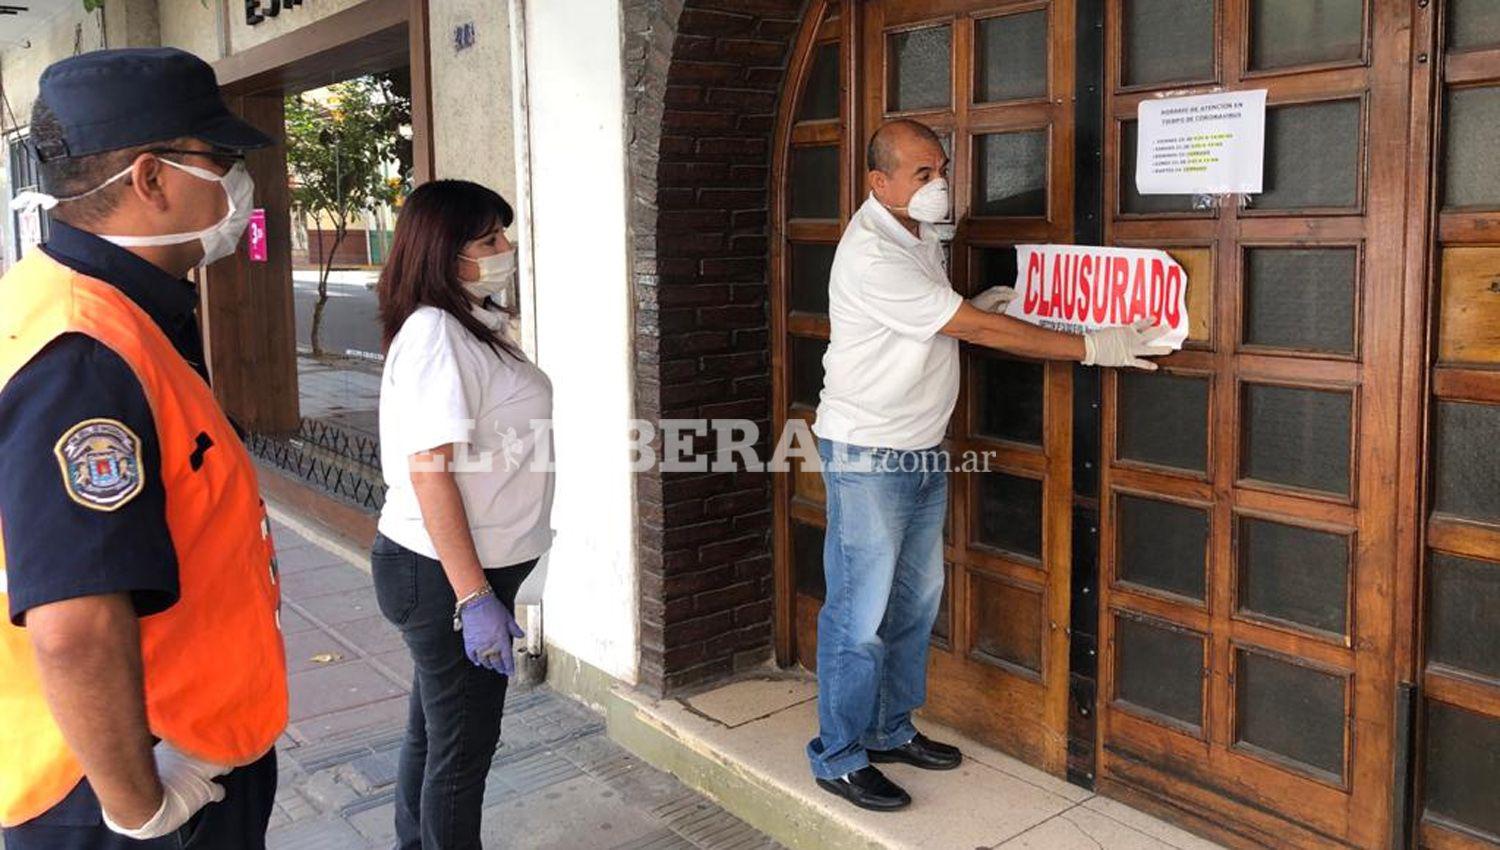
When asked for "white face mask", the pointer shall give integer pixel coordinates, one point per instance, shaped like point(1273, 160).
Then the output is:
point(497, 272)
point(931, 202)
point(219, 240)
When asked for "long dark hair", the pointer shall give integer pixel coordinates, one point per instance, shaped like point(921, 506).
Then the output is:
point(436, 221)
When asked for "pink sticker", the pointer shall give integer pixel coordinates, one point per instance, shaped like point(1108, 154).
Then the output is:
point(257, 236)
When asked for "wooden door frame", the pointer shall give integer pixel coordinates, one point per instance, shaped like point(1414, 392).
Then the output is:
point(814, 29)
point(1163, 776)
point(1043, 738)
point(1433, 380)
point(247, 309)
point(1410, 291)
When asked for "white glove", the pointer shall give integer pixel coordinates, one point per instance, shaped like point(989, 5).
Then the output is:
point(1125, 346)
point(994, 299)
point(187, 786)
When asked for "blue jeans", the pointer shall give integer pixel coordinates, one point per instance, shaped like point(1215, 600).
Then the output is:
point(453, 722)
point(883, 564)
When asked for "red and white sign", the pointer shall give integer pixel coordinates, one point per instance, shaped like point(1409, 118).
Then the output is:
point(257, 236)
point(1077, 288)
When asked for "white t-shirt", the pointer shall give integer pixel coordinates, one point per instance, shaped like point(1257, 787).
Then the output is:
point(443, 385)
point(890, 380)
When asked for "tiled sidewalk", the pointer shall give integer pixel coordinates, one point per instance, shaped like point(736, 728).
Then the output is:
point(557, 781)
point(340, 391)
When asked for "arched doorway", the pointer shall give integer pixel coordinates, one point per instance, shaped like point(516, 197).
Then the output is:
point(1001, 633)
point(1182, 585)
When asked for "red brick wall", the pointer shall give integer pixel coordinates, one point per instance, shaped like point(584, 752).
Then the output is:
point(703, 78)
point(351, 251)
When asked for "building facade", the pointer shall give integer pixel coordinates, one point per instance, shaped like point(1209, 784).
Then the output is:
point(1253, 592)
point(1246, 592)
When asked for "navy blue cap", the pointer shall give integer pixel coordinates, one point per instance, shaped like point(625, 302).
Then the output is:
point(111, 99)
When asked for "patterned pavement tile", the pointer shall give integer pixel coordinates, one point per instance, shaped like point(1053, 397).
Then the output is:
point(557, 782)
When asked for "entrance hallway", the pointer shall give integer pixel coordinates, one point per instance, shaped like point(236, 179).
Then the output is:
point(742, 745)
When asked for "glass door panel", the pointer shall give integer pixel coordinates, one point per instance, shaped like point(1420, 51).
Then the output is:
point(1246, 643)
point(994, 79)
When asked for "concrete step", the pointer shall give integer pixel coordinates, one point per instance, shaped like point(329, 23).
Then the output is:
point(742, 745)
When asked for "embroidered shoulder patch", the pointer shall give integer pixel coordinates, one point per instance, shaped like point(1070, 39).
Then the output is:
point(101, 463)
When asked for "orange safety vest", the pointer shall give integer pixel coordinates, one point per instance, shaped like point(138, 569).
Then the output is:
point(215, 667)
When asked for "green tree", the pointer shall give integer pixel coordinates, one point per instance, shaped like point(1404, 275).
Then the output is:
point(338, 151)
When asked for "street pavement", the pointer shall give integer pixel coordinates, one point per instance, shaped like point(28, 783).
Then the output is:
point(351, 318)
point(558, 782)
point(340, 391)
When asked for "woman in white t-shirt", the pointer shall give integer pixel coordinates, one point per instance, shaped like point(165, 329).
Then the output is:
point(465, 443)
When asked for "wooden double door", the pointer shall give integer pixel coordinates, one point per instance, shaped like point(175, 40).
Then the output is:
point(1213, 590)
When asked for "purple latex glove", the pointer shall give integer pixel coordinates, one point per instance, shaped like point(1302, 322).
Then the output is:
point(489, 635)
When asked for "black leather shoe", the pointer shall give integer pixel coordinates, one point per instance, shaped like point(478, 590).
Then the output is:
point(869, 789)
point(922, 752)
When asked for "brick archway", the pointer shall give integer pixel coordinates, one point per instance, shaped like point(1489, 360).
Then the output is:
point(702, 80)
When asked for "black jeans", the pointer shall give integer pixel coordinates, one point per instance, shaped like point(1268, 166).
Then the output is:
point(238, 822)
point(454, 722)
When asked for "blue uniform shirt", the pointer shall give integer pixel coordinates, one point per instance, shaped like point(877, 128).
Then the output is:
point(61, 542)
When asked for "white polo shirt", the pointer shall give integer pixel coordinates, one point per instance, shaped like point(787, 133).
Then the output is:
point(443, 385)
point(890, 379)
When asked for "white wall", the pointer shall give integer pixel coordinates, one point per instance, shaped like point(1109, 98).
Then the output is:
point(583, 322)
point(193, 25)
point(22, 66)
point(471, 111)
point(243, 36)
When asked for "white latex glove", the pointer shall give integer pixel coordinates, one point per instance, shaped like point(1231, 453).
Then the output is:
point(994, 299)
point(1125, 346)
point(187, 785)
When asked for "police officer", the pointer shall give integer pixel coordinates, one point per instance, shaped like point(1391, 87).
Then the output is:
point(142, 675)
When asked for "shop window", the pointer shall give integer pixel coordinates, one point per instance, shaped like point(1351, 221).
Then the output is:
point(1472, 166)
point(1168, 41)
point(1009, 514)
point(1473, 24)
point(942, 627)
point(812, 263)
point(1301, 298)
point(1286, 33)
point(815, 182)
point(1463, 632)
point(807, 560)
point(807, 369)
point(1012, 57)
point(1163, 419)
point(1159, 668)
point(820, 95)
point(992, 267)
point(1463, 769)
point(1297, 437)
point(1295, 575)
point(1009, 398)
point(1291, 711)
point(1468, 476)
point(1133, 202)
point(1162, 546)
point(1312, 156)
point(921, 74)
point(1010, 174)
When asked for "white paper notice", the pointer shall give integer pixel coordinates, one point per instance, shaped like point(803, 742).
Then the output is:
point(1202, 145)
point(1077, 288)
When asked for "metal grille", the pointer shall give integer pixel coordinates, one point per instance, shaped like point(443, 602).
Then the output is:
point(342, 463)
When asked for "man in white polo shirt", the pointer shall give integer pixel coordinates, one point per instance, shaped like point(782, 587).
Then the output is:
point(890, 383)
